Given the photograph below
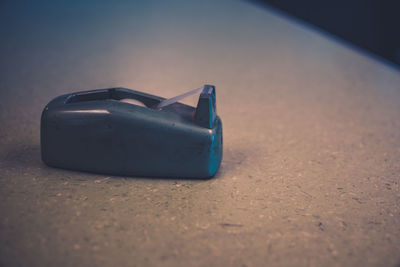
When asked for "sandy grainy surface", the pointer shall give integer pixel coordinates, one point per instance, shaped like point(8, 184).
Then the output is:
point(311, 169)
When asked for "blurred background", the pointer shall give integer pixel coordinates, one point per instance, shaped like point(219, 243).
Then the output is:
point(370, 24)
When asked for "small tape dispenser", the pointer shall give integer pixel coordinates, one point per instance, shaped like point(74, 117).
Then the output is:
point(125, 132)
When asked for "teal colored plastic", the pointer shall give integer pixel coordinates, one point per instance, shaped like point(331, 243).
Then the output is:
point(96, 132)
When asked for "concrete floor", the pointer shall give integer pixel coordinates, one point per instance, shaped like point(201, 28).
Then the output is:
point(311, 170)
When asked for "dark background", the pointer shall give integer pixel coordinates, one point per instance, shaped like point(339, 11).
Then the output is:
point(370, 24)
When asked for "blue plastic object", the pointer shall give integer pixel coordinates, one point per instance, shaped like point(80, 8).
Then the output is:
point(96, 132)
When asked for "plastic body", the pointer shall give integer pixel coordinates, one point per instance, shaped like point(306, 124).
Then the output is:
point(94, 131)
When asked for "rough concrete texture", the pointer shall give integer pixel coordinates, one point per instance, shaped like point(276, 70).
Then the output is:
point(310, 175)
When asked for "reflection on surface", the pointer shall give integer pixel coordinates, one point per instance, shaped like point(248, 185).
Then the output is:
point(96, 111)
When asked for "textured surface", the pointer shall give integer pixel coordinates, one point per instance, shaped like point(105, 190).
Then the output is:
point(311, 168)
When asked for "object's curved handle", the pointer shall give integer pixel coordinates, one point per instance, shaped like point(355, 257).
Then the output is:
point(148, 100)
point(204, 116)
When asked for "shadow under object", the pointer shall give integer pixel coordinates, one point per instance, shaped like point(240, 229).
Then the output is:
point(94, 131)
